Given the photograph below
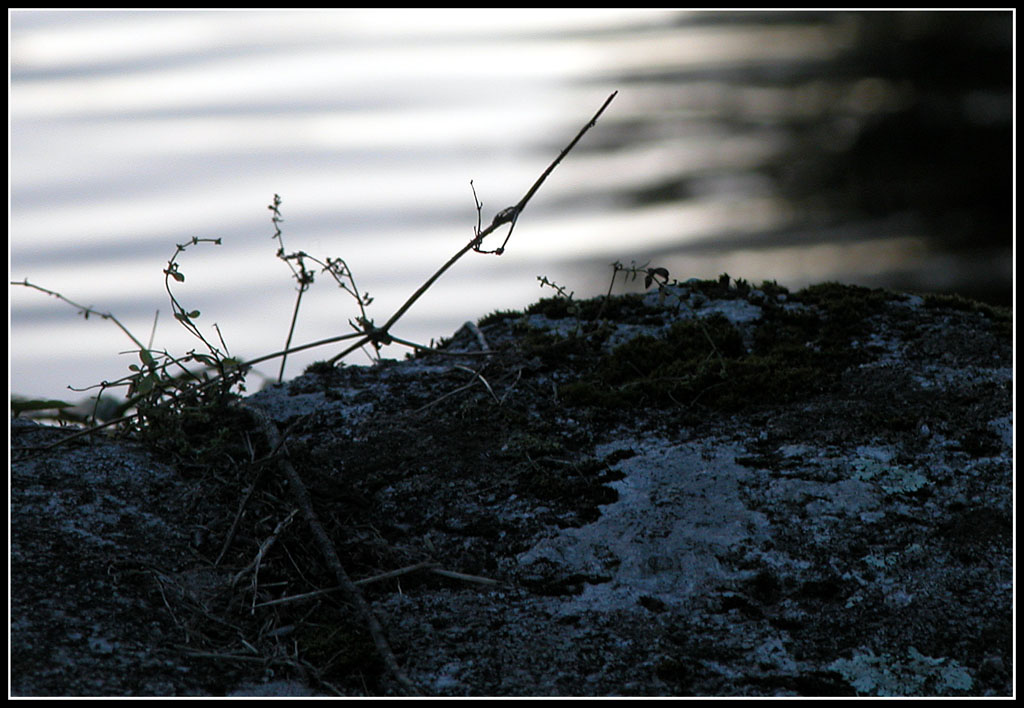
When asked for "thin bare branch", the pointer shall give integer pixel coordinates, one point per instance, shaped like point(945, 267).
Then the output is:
point(511, 214)
point(330, 554)
point(86, 311)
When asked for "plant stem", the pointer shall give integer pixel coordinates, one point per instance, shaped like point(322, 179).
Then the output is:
point(480, 235)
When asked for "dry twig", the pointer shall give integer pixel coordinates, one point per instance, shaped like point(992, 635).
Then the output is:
point(330, 554)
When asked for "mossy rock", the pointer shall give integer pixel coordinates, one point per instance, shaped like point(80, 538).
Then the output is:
point(711, 489)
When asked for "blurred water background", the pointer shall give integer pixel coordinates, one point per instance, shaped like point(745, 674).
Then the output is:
point(866, 147)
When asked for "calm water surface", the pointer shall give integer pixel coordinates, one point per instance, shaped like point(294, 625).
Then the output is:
point(135, 131)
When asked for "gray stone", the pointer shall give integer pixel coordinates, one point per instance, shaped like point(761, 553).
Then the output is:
point(817, 504)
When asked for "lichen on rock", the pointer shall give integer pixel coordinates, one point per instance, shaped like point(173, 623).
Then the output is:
point(713, 489)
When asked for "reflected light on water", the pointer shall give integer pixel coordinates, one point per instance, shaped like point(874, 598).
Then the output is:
point(133, 131)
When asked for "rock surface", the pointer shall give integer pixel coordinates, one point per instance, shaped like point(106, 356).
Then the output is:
point(708, 490)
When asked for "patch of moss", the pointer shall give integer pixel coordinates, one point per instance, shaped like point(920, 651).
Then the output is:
point(772, 289)
point(1001, 317)
point(554, 308)
point(203, 435)
point(689, 346)
point(958, 302)
point(705, 362)
point(499, 316)
point(556, 351)
point(322, 368)
point(630, 307)
point(846, 307)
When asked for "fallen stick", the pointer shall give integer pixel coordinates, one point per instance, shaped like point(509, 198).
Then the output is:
point(330, 554)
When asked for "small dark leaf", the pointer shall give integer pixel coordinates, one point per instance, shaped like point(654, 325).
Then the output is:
point(208, 360)
point(146, 385)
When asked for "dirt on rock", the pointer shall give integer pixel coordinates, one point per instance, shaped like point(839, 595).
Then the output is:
point(712, 489)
